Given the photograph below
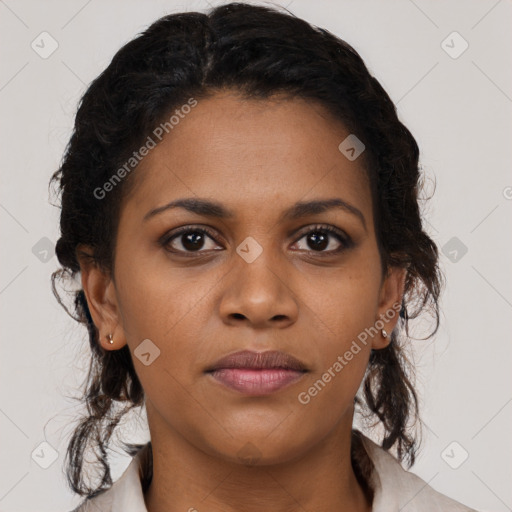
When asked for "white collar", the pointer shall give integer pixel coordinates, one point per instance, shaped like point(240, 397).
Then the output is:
point(398, 490)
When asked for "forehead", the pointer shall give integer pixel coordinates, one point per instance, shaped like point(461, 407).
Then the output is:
point(248, 154)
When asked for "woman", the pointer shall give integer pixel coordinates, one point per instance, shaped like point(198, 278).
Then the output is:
point(239, 199)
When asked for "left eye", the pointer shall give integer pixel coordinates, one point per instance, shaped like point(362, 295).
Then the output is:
point(318, 239)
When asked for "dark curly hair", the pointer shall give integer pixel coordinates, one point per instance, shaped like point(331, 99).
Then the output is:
point(257, 51)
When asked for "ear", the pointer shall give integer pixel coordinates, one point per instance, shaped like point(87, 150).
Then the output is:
point(390, 302)
point(99, 289)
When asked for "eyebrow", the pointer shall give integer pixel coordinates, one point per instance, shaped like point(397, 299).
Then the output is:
point(209, 208)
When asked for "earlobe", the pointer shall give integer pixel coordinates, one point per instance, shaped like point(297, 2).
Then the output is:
point(390, 302)
point(101, 298)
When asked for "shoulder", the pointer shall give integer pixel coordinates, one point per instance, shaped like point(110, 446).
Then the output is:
point(396, 489)
point(100, 503)
point(126, 494)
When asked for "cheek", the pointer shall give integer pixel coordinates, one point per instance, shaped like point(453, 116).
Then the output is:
point(169, 308)
point(343, 358)
point(155, 300)
point(344, 350)
point(345, 305)
point(342, 338)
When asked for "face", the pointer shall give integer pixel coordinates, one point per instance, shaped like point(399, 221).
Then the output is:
point(258, 278)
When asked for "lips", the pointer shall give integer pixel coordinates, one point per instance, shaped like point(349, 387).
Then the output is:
point(259, 361)
point(257, 373)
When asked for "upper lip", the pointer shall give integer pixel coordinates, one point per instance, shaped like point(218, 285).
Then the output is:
point(258, 360)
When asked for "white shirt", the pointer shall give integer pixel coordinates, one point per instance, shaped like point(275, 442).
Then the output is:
point(395, 489)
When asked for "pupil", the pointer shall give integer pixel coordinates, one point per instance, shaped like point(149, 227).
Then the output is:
point(191, 239)
point(320, 241)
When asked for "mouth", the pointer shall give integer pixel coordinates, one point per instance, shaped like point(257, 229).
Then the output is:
point(257, 373)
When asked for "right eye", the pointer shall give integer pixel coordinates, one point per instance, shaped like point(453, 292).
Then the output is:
point(190, 238)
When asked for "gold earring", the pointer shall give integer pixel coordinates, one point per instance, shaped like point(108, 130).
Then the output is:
point(384, 333)
point(110, 338)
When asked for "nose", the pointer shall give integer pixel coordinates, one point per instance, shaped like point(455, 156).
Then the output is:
point(259, 294)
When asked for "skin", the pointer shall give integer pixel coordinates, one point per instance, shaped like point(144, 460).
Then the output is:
point(256, 157)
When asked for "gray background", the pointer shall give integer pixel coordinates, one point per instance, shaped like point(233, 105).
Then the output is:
point(457, 108)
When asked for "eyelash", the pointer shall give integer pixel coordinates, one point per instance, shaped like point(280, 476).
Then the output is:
point(345, 240)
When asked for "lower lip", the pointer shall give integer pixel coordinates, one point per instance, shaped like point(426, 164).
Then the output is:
point(256, 382)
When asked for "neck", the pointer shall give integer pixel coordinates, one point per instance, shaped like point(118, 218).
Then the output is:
point(186, 478)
